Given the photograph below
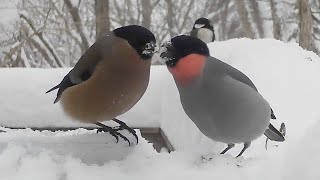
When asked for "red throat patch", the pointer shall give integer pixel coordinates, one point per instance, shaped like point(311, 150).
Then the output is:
point(188, 68)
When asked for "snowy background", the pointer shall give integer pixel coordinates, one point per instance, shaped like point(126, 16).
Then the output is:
point(55, 33)
point(285, 74)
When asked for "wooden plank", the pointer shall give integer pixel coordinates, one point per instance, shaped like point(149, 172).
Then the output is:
point(153, 135)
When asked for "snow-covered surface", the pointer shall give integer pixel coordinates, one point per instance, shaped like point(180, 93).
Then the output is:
point(286, 75)
point(24, 102)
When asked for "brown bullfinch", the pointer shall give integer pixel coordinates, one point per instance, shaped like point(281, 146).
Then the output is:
point(109, 78)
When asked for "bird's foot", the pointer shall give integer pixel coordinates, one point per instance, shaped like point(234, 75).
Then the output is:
point(113, 132)
point(245, 147)
point(230, 146)
point(126, 127)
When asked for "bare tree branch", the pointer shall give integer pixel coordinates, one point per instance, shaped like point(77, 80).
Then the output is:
point(146, 13)
point(190, 6)
point(44, 41)
point(79, 26)
point(277, 33)
point(243, 15)
point(255, 14)
point(170, 16)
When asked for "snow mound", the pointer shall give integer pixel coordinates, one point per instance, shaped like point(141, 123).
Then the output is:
point(285, 74)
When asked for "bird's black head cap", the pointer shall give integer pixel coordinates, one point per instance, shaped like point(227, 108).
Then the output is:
point(203, 23)
point(140, 38)
point(182, 46)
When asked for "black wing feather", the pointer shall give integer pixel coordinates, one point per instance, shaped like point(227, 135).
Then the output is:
point(273, 134)
point(65, 83)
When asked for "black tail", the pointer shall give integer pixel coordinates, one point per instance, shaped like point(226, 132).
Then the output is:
point(272, 115)
point(273, 134)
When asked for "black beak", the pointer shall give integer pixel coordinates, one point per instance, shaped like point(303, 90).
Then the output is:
point(167, 53)
point(149, 49)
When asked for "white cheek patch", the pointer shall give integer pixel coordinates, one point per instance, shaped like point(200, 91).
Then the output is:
point(205, 35)
point(197, 26)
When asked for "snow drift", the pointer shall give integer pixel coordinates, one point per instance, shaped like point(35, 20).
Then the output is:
point(285, 74)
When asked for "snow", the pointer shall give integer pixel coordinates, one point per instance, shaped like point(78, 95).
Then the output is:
point(75, 3)
point(285, 74)
point(24, 91)
point(8, 12)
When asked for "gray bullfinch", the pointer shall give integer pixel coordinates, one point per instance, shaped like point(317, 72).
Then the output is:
point(222, 101)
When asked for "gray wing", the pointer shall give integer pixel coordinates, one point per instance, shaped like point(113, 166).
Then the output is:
point(84, 68)
point(222, 67)
point(89, 60)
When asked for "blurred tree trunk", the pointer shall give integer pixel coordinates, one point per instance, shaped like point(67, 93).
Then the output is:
point(316, 24)
point(79, 26)
point(255, 13)
point(243, 15)
point(146, 13)
point(170, 16)
point(305, 24)
point(102, 17)
point(186, 16)
point(275, 20)
point(224, 16)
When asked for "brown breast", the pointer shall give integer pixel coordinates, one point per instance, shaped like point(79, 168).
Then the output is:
point(117, 84)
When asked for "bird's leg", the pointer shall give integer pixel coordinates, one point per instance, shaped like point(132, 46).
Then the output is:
point(126, 127)
point(113, 132)
point(266, 144)
point(231, 145)
point(246, 145)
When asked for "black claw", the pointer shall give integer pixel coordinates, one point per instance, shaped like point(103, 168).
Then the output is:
point(125, 126)
point(272, 115)
point(117, 138)
point(113, 132)
point(104, 129)
point(123, 137)
point(114, 135)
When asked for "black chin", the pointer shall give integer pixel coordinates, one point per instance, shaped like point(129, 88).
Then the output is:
point(146, 52)
point(171, 63)
point(146, 56)
point(169, 58)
